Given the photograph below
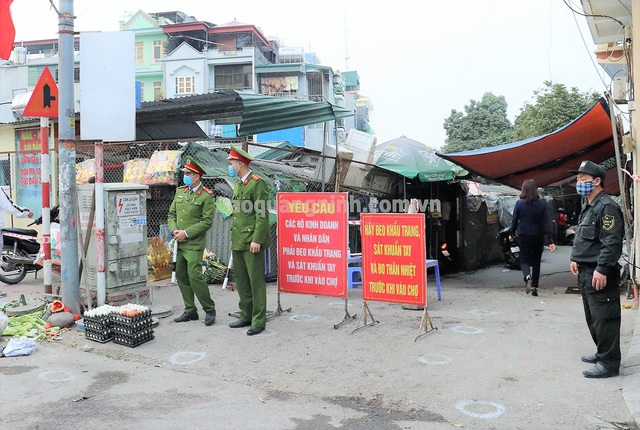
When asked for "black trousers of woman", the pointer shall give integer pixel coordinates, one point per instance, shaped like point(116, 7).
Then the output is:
point(531, 247)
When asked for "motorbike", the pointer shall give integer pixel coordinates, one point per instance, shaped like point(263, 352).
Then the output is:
point(566, 235)
point(510, 248)
point(21, 249)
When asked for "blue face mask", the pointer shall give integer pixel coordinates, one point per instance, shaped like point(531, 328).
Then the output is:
point(585, 188)
point(232, 171)
point(188, 180)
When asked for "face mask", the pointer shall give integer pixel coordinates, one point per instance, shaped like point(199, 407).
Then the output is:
point(188, 180)
point(232, 172)
point(585, 188)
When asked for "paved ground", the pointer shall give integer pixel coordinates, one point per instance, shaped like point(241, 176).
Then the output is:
point(499, 359)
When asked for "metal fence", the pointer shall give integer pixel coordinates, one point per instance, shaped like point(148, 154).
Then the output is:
point(20, 178)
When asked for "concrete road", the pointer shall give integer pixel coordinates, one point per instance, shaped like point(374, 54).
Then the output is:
point(498, 359)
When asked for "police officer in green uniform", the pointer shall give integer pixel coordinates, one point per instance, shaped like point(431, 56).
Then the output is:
point(596, 249)
point(190, 217)
point(250, 235)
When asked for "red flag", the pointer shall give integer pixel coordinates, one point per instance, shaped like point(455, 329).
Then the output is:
point(7, 30)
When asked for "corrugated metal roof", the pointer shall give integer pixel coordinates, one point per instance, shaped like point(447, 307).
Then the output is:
point(255, 113)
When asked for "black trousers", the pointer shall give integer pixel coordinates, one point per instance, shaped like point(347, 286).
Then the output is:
point(531, 247)
point(602, 312)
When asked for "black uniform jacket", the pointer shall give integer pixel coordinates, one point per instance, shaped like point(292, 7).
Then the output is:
point(599, 234)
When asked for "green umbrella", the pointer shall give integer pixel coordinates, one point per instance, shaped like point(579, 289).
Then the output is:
point(411, 159)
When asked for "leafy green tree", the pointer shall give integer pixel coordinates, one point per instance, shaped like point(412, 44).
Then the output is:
point(483, 124)
point(554, 107)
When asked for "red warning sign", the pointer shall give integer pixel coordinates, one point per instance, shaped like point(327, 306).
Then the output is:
point(44, 100)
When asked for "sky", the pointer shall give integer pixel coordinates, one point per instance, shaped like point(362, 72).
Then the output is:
point(417, 61)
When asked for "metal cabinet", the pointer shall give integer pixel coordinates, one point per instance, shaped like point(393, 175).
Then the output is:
point(125, 237)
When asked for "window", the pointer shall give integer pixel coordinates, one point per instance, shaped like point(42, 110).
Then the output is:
point(35, 73)
point(185, 84)
point(244, 40)
point(142, 91)
point(157, 50)
point(314, 83)
point(234, 77)
point(157, 91)
point(139, 52)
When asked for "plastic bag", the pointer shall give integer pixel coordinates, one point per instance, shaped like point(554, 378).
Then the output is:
point(21, 346)
point(135, 170)
point(225, 207)
point(163, 168)
point(85, 170)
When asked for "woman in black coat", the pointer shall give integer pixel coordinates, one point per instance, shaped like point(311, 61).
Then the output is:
point(531, 223)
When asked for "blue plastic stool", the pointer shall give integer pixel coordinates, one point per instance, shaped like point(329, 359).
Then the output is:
point(434, 263)
point(354, 277)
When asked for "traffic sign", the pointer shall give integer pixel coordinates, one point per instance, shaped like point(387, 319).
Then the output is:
point(44, 100)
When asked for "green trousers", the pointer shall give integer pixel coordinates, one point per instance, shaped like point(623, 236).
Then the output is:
point(191, 281)
point(248, 270)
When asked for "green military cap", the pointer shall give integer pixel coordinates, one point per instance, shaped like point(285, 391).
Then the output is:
point(238, 154)
point(192, 165)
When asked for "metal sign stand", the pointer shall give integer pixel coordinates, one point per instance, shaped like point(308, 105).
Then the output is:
point(347, 316)
point(425, 324)
point(365, 311)
point(279, 309)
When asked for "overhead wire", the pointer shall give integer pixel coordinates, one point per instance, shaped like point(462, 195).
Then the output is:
point(588, 15)
point(598, 69)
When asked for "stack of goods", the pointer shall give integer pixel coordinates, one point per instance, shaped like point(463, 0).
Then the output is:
point(132, 325)
point(162, 168)
point(135, 170)
point(159, 259)
point(85, 170)
point(97, 323)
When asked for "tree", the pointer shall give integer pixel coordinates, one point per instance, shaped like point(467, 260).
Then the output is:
point(483, 124)
point(554, 107)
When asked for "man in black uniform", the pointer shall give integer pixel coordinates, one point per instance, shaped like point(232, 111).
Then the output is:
point(596, 249)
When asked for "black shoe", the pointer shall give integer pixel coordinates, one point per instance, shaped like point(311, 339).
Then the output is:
point(589, 358)
point(210, 318)
point(534, 292)
point(527, 288)
point(254, 330)
point(599, 371)
point(186, 317)
point(239, 324)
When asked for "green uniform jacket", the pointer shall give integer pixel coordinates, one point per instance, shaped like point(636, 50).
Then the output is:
point(250, 213)
point(599, 234)
point(192, 212)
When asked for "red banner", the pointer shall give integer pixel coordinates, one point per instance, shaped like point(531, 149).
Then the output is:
point(312, 243)
point(393, 258)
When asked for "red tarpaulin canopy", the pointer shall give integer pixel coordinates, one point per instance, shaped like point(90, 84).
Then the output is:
point(547, 159)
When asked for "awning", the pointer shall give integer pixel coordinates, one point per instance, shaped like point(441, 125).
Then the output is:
point(254, 113)
point(547, 159)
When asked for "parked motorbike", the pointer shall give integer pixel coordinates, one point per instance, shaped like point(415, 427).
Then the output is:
point(510, 248)
point(20, 250)
point(566, 235)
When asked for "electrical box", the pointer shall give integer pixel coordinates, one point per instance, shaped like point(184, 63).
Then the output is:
point(125, 238)
point(620, 88)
